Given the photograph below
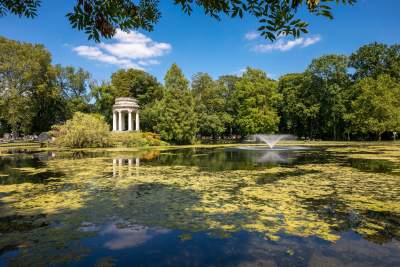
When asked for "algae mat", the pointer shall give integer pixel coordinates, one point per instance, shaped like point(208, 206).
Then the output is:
point(327, 206)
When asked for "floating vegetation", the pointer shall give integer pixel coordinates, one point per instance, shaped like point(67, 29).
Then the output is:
point(345, 192)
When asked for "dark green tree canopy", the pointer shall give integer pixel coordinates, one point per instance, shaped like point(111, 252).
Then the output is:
point(329, 68)
point(128, 83)
point(329, 83)
point(210, 105)
point(299, 107)
point(323, 102)
point(138, 84)
point(254, 101)
point(375, 59)
point(174, 115)
point(101, 18)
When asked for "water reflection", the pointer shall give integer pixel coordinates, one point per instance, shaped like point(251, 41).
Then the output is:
point(18, 169)
point(125, 166)
point(233, 158)
point(123, 237)
point(372, 165)
point(274, 157)
point(222, 207)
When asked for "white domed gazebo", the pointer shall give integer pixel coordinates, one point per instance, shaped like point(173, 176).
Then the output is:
point(122, 114)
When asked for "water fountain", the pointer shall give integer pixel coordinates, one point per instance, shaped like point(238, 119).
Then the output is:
point(272, 152)
point(271, 140)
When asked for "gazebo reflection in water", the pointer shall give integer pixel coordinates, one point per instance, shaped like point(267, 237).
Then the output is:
point(125, 166)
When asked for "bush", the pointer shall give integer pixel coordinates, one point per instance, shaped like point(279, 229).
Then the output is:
point(135, 139)
point(83, 130)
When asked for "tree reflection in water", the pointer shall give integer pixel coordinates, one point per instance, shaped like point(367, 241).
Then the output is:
point(244, 208)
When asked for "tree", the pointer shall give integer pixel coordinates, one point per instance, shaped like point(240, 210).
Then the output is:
point(375, 59)
point(48, 105)
point(174, 79)
point(254, 100)
point(142, 86)
point(228, 81)
point(174, 115)
point(17, 112)
point(377, 107)
point(138, 84)
point(104, 95)
point(299, 107)
point(74, 84)
point(227, 84)
point(101, 18)
point(26, 89)
point(330, 82)
point(128, 83)
point(210, 105)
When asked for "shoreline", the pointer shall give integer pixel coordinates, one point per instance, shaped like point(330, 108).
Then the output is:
point(36, 146)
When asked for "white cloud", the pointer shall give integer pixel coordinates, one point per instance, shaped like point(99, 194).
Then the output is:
point(131, 37)
point(282, 44)
point(88, 51)
point(94, 53)
point(148, 62)
point(311, 41)
point(129, 50)
point(250, 36)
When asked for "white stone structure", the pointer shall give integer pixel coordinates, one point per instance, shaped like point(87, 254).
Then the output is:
point(123, 118)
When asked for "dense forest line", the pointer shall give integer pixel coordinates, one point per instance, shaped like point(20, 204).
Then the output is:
point(337, 97)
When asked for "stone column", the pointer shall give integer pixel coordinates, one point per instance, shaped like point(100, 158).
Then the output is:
point(114, 121)
point(137, 128)
point(130, 167)
point(129, 120)
point(120, 167)
point(114, 167)
point(137, 163)
point(119, 121)
point(123, 122)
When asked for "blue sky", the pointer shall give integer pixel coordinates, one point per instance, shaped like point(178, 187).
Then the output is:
point(199, 43)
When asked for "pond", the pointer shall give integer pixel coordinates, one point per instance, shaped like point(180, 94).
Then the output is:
point(326, 206)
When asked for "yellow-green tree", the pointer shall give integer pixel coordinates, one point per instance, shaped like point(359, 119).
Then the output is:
point(29, 96)
point(377, 107)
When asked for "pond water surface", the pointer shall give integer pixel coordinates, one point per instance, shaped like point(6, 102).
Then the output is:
point(327, 206)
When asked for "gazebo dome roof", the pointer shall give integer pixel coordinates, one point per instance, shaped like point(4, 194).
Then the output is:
point(125, 103)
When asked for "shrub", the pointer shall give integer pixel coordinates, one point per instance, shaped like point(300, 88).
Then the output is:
point(83, 130)
point(135, 139)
